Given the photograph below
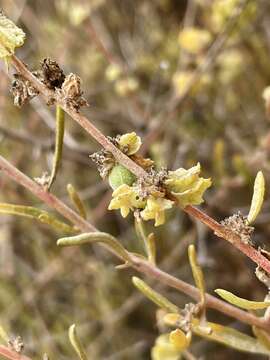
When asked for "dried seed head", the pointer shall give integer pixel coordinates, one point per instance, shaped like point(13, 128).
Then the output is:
point(22, 90)
point(104, 161)
point(239, 225)
point(16, 344)
point(152, 183)
point(43, 180)
point(71, 92)
point(51, 74)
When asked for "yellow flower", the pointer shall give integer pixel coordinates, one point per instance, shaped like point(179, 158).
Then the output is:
point(187, 186)
point(113, 72)
point(125, 87)
point(125, 198)
point(155, 209)
point(182, 80)
point(179, 339)
point(130, 143)
point(164, 349)
point(194, 40)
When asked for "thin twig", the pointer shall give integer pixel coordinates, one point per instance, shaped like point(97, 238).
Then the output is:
point(137, 263)
point(219, 229)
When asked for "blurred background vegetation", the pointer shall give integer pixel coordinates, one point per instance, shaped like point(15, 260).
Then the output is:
point(136, 58)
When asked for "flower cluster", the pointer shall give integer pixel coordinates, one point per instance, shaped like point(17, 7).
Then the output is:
point(159, 191)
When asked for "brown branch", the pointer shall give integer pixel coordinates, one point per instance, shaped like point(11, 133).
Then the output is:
point(48, 198)
point(12, 355)
point(211, 302)
point(220, 230)
point(137, 263)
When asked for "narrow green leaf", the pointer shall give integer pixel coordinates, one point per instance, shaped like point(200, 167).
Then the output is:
point(257, 198)
point(59, 138)
point(232, 338)
point(89, 238)
point(154, 296)
point(75, 198)
point(34, 213)
point(10, 37)
point(75, 342)
point(240, 302)
point(55, 223)
point(197, 272)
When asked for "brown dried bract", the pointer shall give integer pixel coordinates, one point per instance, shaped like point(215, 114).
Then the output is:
point(71, 92)
point(146, 164)
point(239, 225)
point(22, 90)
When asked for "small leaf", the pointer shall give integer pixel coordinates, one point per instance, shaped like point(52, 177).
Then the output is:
point(75, 198)
point(34, 213)
point(154, 296)
point(197, 272)
point(59, 138)
point(179, 339)
point(10, 37)
point(75, 342)
point(257, 198)
point(89, 238)
point(49, 219)
point(240, 302)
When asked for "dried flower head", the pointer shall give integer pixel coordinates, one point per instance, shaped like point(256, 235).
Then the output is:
point(43, 180)
point(22, 90)
point(16, 344)
point(51, 74)
point(104, 161)
point(153, 183)
point(239, 225)
point(71, 92)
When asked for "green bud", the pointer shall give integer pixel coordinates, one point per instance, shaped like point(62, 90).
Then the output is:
point(120, 175)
